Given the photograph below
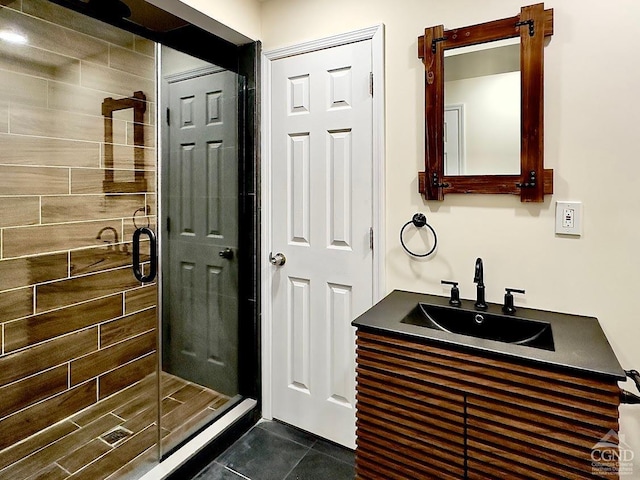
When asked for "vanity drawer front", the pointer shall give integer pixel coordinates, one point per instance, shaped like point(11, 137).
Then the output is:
point(475, 373)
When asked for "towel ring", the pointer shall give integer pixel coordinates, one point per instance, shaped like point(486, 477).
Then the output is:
point(419, 221)
point(146, 210)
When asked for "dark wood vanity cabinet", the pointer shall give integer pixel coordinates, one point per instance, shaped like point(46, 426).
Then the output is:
point(430, 410)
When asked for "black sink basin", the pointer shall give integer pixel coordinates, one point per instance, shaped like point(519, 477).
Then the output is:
point(490, 326)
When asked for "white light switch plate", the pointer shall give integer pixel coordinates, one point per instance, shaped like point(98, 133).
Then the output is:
point(569, 218)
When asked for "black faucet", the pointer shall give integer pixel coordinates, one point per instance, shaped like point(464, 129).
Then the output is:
point(115, 237)
point(479, 279)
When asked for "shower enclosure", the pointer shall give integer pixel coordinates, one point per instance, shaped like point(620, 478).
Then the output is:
point(116, 152)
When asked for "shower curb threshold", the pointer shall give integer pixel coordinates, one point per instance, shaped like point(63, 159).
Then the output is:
point(191, 448)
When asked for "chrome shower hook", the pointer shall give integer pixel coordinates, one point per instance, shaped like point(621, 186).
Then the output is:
point(419, 221)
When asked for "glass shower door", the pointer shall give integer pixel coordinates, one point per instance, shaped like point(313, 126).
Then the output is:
point(199, 236)
point(78, 365)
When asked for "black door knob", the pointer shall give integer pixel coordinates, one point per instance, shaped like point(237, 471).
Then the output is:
point(226, 253)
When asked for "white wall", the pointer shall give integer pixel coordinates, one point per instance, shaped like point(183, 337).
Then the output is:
point(591, 140)
point(241, 15)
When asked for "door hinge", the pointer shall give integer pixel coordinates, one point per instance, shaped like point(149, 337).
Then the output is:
point(371, 238)
point(371, 83)
point(168, 116)
point(168, 224)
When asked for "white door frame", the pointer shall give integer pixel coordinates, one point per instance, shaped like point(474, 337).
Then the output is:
point(376, 35)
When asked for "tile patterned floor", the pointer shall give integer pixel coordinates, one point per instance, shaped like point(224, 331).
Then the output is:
point(77, 448)
point(275, 451)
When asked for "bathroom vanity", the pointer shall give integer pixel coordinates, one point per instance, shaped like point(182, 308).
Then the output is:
point(526, 395)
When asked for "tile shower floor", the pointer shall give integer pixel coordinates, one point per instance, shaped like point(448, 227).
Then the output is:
point(275, 451)
point(114, 438)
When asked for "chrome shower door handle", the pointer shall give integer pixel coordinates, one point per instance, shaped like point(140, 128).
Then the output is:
point(278, 260)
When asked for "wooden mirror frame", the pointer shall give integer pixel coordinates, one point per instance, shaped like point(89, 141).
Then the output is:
point(534, 182)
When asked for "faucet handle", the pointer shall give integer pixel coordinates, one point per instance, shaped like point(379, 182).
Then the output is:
point(454, 300)
point(508, 306)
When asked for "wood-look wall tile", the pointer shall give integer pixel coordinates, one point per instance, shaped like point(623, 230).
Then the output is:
point(129, 227)
point(77, 21)
point(132, 62)
point(49, 354)
point(26, 392)
point(90, 180)
point(149, 135)
point(149, 117)
point(127, 327)
point(18, 211)
point(42, 415)
point(78, 289)
point(13, 4)
point(140, 298)
point(50, 152)
point(112, 357)
point(22, 89)
point(151, 202)
point(4, 116)
point(101, 258)
point(116, 82)
point(124, 157)
point(21, 452)
point(16, 304)
point(38, 328)
point(33, 180)
point(56, 39)
point(21, 272)
point(145, 46)
point(51, 238)
point(119, 457)
point(77, 208)
point(39, 63)
point(46, 122)
point(84, 455)
point(122, 377)
point(74, 98)
point(61, 447)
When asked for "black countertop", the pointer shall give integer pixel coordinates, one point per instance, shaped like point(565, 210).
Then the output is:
point(580, 343)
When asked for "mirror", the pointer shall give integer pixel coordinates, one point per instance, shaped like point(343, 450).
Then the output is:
point(484, 107)
point(482, 110)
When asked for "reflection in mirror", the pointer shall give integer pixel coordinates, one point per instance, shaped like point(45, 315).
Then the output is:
point(482, 110)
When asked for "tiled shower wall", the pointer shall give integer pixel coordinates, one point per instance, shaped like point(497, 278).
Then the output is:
point(76, 325)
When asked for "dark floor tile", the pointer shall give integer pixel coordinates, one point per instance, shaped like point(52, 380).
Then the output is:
point(288, 432)
point(262, 455)
point(318, 466)
point(336, 451)
point(215, 471)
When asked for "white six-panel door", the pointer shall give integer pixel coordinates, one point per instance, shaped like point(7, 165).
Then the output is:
point(321, 209)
